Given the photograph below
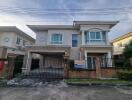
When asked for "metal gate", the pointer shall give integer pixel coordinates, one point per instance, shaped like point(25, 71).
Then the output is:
point(50, 68)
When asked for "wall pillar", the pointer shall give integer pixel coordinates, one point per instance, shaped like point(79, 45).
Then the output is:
point(98, 67)
point(27, 62)
point(66, 66)
point(11, 65)
point(41, 61)
point(66, 69)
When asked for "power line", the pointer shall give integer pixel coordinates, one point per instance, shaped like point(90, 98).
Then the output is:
point(57, 12)
point(64, 10)
point(37, 11)
point(53, 9)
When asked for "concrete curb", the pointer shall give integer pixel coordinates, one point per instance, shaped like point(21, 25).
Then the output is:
point(98, 84)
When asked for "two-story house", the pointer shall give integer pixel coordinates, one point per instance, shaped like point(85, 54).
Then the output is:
point(12, 47)
point(84, 40)
point(13, 40)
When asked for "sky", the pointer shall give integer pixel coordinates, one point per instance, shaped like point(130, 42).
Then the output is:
point(23, 12)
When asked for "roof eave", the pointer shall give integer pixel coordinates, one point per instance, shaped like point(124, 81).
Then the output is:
point(122, 37)
point(46, 27)
point(111, 23)
point(16, 30)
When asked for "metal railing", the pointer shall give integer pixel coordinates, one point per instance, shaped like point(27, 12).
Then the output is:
point(47, 70)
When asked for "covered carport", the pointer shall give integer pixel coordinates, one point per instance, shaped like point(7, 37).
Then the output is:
point(51, 62)
point(47, 62)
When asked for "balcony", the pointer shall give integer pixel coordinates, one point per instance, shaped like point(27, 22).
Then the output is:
point(94, 37)
point(118, 50)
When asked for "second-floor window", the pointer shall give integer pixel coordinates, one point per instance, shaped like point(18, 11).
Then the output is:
point(74, 40)
point(56, 38)
point(18, 41)
point(94, 36)
point(24, 42)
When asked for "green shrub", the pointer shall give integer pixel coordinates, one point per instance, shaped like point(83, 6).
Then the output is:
point(125, 75)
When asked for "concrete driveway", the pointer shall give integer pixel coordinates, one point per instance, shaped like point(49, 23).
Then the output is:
point(64, 92)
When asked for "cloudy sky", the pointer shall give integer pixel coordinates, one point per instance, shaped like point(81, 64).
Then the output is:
point(22, 12)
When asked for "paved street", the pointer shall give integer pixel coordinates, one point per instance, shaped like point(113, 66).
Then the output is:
point(64, 92)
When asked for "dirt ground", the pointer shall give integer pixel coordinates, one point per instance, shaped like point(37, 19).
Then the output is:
point(64, 92)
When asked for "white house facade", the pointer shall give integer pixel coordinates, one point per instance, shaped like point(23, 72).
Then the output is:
point(84, 40)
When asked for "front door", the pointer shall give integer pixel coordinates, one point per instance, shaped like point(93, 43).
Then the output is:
point(90, 62)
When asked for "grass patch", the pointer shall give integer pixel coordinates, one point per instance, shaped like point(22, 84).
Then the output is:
point(97, 81)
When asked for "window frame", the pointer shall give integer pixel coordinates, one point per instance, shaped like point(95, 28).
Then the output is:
point(95, 39)
point(88, 38)
point(75, 40)
point(18, 40)
point(56, 42)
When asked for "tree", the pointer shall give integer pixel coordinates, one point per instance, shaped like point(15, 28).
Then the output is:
point(127, 54)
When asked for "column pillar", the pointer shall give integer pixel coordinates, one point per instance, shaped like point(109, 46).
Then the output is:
point(27, 62)
point(85, 60)
point(83, 38)
point(109, 60)
point(107, 38)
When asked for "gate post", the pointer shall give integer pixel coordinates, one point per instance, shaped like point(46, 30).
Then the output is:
point(66, 65)
point(11, 63)
point(98, 67)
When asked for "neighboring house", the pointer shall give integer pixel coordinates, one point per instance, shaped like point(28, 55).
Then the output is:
point(13, 41)
point(119, 44)
point(84, 40)
point(12, 48)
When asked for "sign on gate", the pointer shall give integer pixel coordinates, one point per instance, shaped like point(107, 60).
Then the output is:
point(79, 64)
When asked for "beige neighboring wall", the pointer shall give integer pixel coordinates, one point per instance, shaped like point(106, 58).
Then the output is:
point(120, 42)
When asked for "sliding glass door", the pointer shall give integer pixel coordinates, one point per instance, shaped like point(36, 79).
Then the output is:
point(90, 62)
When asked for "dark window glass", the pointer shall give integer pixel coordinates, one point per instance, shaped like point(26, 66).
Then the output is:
point(74, 40)
point(98, 35)
point(56, 38)
point(18, 40)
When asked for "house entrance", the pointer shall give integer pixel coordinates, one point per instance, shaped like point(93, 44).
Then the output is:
point(91, 57)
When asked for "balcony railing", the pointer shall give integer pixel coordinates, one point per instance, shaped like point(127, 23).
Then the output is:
point(118, 50)
point(97, 42)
